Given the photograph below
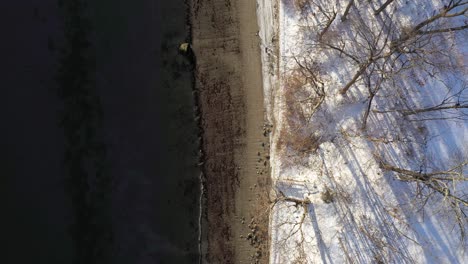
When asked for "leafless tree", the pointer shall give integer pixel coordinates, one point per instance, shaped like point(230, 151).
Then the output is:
point(373, 43)
point(411, 43)
point(454, 9)
point(451, 107)
point(310, 72)
point(387, 51)
point(439, 181)
point(381, 51)
point(447, 183)
point(295, 227)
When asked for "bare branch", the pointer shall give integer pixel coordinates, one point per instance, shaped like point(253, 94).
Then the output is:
point(361, 70)
point(348, 7)
point(443, 30)
point(444, 13)
point(432, 109)
point(383, 7)
point(329, 22)
point(431, 179)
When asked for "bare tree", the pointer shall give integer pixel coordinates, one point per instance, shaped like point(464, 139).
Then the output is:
point(311, 74)
point(444, 183)
point(410, 42)
point(439, 181)
point(451, 107)
point(388, 54)
point(454, 9)
point(294, 227)
point(379, 52)
point(373, 43)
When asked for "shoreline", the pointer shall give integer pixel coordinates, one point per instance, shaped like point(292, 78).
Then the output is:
point(235, 145)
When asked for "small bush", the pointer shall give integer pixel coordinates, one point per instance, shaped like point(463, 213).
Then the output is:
point(327, 196)
point(302, 6)
point(298, 142)
point(297, 137)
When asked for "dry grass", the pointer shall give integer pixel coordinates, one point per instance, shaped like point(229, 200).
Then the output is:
point(298, 137)
point(301, 5)
point(298, 142)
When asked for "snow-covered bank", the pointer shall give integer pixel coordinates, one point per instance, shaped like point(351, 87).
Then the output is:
point(268, 28)
point(342, 163)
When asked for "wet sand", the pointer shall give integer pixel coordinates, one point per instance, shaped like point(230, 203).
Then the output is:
point(235, 145)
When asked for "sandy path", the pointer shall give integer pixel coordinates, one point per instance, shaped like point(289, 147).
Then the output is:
point(229, 84)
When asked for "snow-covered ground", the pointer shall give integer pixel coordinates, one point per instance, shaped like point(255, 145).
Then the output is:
point(357, 189)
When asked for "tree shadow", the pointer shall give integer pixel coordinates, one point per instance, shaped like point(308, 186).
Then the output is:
point(323, 249)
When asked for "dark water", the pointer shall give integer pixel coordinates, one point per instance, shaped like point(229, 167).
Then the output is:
point(98, 143)
point(151, 133)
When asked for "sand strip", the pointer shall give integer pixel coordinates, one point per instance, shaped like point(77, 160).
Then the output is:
point(235, 146)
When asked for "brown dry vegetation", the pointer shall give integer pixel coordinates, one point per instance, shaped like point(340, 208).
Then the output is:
point(301, 5)
point(296, 135)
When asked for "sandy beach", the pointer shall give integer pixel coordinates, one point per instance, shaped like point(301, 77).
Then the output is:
point(235, 143)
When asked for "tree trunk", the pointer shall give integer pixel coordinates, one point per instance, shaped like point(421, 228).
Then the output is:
point(383, 7)
point(330, 21)
point(366, 114)
point(361, 70)
point(345, 14)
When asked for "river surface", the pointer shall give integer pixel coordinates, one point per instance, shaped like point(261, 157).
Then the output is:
point(149, 118)
point(143, 87)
